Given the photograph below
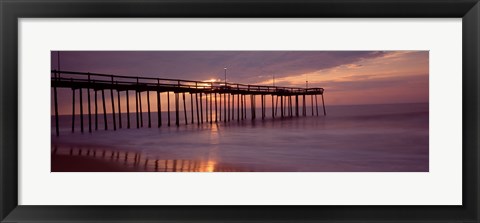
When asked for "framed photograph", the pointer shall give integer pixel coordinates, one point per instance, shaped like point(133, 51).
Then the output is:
point(239, 111)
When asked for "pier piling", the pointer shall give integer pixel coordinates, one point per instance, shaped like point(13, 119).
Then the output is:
point(148, 108)
point(159, 109)
point(201, 109)
point(216, 110)
point(73, 110)
point(104, 110)
point(191, 106)
point(220, 107)
point(211, 109)
point(238, 107)
point(311, 105)
point(198, 115)
point(89, 107)
point(140, 107)
point(281, 106)
point(81, 109)
point(224, 108)
point(96, 110)
point(113, 108)
point(177, 118)
point(128, 109)
point(55, 98)
point(296, 105)
point(168, 106)
point(206, 108)
point(119, 109)
point(324, 111)
point(136, 109)
point(185, 108)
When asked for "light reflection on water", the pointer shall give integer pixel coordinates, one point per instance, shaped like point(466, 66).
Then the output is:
point(213, 151)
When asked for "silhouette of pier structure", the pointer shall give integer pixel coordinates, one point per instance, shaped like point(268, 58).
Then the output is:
point(224, 101)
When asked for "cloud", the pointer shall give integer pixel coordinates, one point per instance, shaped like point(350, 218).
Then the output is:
point(243, 66)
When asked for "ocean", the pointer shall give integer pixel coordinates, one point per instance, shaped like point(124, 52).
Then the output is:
point(351, 138)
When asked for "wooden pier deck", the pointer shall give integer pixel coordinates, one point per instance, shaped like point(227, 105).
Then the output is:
point(226, 92)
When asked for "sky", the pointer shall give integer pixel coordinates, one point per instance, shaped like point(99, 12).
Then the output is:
point(348, 77)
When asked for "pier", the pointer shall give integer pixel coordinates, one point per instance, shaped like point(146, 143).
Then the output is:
point(209, 101)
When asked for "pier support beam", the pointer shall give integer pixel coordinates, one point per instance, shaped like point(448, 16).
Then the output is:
point(291, 105)
point(140, 107)
point(201, 109)
point(255, 106)
point(324, 111)
point(148, 108)
point(136, 109)
point(238, 107)
point(229, 107)
point(168, 108)
point(225, 108)
point(198, 115)
point(304, 106)
point(159, 109)
point(241, 97)
point(281, 106)
point(177, 118)
point(211, 108)
point(113, 109)
point(96, 110)
point(216, 111)
point(273, 107)
point(81, 109)
point(73, 110)
point(55, 98)
point(89, 108)
point(311, 96)
point(104, 110)
point(220, 106)
point(286, 104)
point(128, 109)
point(263, 111)
point(191, 106)
point(252, 102)
point(206, 108)
point(233, 106)
point(276, 105)
point(185, 108)
point(296, 105)
point(245, 107)
point(119, 110)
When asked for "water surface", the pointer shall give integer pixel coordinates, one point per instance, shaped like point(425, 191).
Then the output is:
point(356, 138)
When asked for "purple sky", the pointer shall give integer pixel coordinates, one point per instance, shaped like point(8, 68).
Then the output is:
point(246, 66)
point(349, 77)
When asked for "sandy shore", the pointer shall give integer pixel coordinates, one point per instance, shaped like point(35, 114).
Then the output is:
point(65, 163)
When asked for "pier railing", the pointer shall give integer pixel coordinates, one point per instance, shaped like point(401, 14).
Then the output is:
point(96, 80)
point(227, 91)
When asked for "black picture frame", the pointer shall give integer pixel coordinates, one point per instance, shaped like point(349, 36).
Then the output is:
point(11, 11)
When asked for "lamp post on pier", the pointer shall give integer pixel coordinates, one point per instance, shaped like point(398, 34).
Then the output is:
point(225, 76)
point(306, 81)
